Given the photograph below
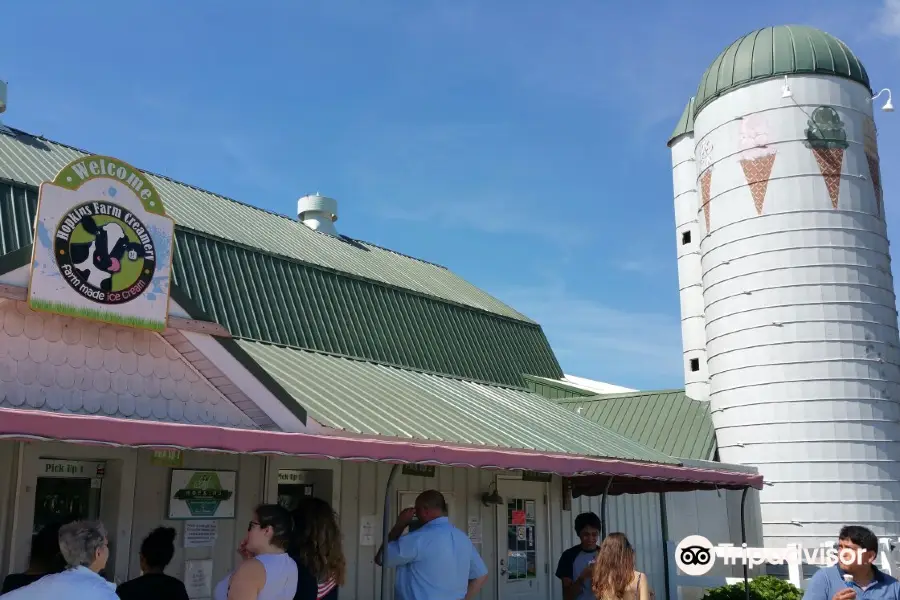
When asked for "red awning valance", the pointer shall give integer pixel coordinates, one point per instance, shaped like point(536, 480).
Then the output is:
point(98, 430)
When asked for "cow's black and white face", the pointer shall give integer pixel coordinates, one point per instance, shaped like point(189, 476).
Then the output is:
point(100, 259)
point(110, 248)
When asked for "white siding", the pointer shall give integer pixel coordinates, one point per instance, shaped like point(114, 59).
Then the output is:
point(150, 508)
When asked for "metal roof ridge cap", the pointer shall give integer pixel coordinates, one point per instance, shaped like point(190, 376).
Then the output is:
point(694, 463)
point(524, 320)
point(615, 395)
point(493, 384)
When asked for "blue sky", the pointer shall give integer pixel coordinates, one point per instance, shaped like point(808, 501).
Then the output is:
point(520, 143)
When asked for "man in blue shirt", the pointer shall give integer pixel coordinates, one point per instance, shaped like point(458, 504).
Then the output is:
point(858, 548)
point(437, 561)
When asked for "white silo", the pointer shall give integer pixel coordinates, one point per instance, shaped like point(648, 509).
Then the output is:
point(687, 238)
point(799, 305)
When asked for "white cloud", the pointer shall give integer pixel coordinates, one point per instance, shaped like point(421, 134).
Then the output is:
point(888, 21)
point(640, 266)
point(492, 213)
point(596, 340)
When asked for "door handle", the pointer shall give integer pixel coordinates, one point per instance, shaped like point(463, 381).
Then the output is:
point(502, 571)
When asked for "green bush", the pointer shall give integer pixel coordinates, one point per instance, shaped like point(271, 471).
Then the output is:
point(765, 587)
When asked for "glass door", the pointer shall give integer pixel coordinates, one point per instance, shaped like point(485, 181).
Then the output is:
point(65, 499)
point(522, 541)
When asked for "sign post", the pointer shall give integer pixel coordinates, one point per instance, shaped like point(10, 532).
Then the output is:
point(103, 246)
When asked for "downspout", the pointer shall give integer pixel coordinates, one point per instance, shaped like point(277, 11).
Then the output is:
point(385, 526)
point(664, 525)
point(744, 542)
point(603, 526)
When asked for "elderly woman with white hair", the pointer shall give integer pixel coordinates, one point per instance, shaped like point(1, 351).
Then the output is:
point(83, 545)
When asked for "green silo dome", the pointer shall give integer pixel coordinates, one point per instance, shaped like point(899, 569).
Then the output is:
point(774, 52)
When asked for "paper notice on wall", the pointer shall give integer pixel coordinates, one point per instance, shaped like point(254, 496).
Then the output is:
point(475, 530)
point(200, 534)
point(367, 526)
point(198, 578)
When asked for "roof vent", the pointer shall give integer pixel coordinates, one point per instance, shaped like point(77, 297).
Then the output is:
point(318, 213)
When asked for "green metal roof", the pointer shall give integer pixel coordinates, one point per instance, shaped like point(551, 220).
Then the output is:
point(685, 123)
point(314, 307)
point(320, 310)
point(30, 160)
point(775, 52)
point(367, 398)
point(666, 420)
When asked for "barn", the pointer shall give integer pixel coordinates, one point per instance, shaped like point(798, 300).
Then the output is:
point(283, 359)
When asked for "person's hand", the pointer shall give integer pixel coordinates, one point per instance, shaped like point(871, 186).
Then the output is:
point(406, 516)
point(587, 572)
point(243, 551)
point(845, 594)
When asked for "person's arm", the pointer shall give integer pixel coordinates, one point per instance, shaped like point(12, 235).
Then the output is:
point(575, 586)
point(248, 580)
point(564, 573)
point(403, 521)
point(643, 587)
point(820, 589)
point(478, 573)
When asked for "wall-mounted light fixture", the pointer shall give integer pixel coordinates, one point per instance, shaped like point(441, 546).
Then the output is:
point(491, 498)
point(888, 107)
point(786, 89)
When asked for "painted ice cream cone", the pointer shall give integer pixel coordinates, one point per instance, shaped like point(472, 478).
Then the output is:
point(756, 158)
point(827, 139)
point(830, 161)
point(705, 183)
point(870, 145)
point(704, 160)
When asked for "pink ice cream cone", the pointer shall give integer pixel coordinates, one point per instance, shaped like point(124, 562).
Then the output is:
point(705, 183)
point(756, 158)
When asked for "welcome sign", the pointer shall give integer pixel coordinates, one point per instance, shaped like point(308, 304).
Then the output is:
point(102, 246)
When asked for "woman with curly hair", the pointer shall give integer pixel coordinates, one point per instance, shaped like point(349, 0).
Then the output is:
point(614, 575)
point(316, 548)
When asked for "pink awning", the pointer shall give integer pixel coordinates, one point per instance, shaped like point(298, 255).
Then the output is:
point(99, 430)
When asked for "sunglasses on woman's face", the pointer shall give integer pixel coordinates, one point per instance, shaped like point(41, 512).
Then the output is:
point(251, 524)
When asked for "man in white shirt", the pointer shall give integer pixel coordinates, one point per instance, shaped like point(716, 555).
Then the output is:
point(84, 545)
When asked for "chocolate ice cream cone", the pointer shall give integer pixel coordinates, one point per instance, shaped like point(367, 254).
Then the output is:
point(875, 173)
point(757, 172)
point(830, 161)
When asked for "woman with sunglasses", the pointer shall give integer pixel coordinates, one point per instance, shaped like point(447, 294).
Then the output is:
point(267, 572)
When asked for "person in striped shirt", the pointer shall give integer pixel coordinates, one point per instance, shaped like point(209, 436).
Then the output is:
point(316, 548)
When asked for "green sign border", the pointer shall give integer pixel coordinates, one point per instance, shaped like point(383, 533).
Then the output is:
point(71, 178)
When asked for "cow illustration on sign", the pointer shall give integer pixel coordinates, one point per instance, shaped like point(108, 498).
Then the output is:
point(110, 261)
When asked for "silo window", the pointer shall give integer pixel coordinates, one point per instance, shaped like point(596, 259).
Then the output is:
point(685, 238)
point(695, 364)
